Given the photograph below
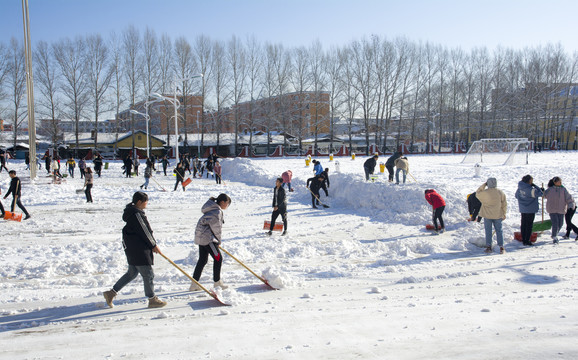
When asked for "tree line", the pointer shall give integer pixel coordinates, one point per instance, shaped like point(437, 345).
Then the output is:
point(397, 88)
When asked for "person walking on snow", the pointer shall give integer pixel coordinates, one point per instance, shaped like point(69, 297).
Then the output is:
point(402, 165)
point(390, 163)
point(438, 205)
point(369, 166)
point(217, 169)
point(208, 235)
point(88, 182)
point(139, 245)
point(82, 167)
point(71, 165)
point(527, 195)
point(165, 163)
point(494, 207)
point(148, 173)
point(97, 165)
point(16, 191)
point(279, 206)
point(180, 172)
point(558, 199)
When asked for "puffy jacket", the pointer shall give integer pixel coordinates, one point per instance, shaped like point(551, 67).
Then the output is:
point(402, 163)
point(527, 196)
point(494, 204)
point(287, 175)
point(370, 163)
point(391, 160)
point(558, 199)
point(137, 237)
point(209, 227)
point(434, 199)
point(318, 168)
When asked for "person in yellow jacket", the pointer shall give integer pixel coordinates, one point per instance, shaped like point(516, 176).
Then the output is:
point(71, 165)
point(494, 206)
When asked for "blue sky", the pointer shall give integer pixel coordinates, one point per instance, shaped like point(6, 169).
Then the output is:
point(452, 23)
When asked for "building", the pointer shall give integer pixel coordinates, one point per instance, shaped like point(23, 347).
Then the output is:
point(302, 114)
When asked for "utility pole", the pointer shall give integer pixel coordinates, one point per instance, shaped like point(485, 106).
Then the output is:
point(29, 91)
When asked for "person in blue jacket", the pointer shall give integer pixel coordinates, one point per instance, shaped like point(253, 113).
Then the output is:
point(527, 195)
point(317, 168)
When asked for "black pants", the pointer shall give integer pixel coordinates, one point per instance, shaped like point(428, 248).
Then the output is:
point(165, 169)
point(88, 193)
point(16, 201)
point(275, 215)
point(367, 173)
point(569, 226)
point(218, 178)
point(204, 252)
point(1, 208)
point(390, 171)
point(315, 197)
point(179, 180)
point(526, 227)
point(437, 214)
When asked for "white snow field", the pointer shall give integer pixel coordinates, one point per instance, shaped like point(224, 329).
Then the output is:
point(361, 279)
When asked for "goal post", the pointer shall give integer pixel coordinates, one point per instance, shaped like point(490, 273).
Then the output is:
point(506, 151)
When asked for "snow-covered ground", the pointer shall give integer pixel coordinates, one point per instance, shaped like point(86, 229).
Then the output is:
point(362, 279)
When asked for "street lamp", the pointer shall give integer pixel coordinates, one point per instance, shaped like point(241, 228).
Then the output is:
point(198, 136)
point(147, 117)
point(177, 104)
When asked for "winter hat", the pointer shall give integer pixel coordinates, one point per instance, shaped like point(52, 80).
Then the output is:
point(492, 183)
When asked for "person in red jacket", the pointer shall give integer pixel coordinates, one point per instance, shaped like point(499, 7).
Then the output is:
point(438, 204)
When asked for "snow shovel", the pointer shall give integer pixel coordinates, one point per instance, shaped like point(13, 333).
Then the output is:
point(212, 293)
point(80, 191)
point(317, 197)
point(162, 188)
point(251, 271)
point(544, 224)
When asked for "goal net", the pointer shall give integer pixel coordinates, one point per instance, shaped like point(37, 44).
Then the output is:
point(505, 151)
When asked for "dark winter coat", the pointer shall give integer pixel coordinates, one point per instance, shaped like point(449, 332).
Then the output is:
point(314, 184)
point(434, 199)
point(391, 160)
point(97, 163)
point(527, 196)
point(369, 164)
point(279, 199)
point(15, 187)
point(137, 237)
point(474, 205)
point(180, 171)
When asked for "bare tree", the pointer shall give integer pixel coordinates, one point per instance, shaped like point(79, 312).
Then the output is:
point(300, 78)
point(221, 78)
point(99, 76)
point(237, 60)
point(334, 72)
point(47, 82)
point(132, 62)
point(166, 75)
point(318, 80)
point(117, 70)
point(254, 68)
point(202, 56)
point(16, 81)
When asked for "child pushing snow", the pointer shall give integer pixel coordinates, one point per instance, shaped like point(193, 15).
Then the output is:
point(438, 204)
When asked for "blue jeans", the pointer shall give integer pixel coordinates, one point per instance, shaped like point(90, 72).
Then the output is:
point(397, 175)
point(557, 223)
point(146, 183)
point(147, 273)
point(497, 224)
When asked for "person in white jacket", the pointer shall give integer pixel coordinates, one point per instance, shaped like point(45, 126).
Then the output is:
point(494, 206)
point(208, 237)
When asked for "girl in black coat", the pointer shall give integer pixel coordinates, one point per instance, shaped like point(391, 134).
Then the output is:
point(139, 245)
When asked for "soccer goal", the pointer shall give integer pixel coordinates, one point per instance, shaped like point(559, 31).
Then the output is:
point(505, 151)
